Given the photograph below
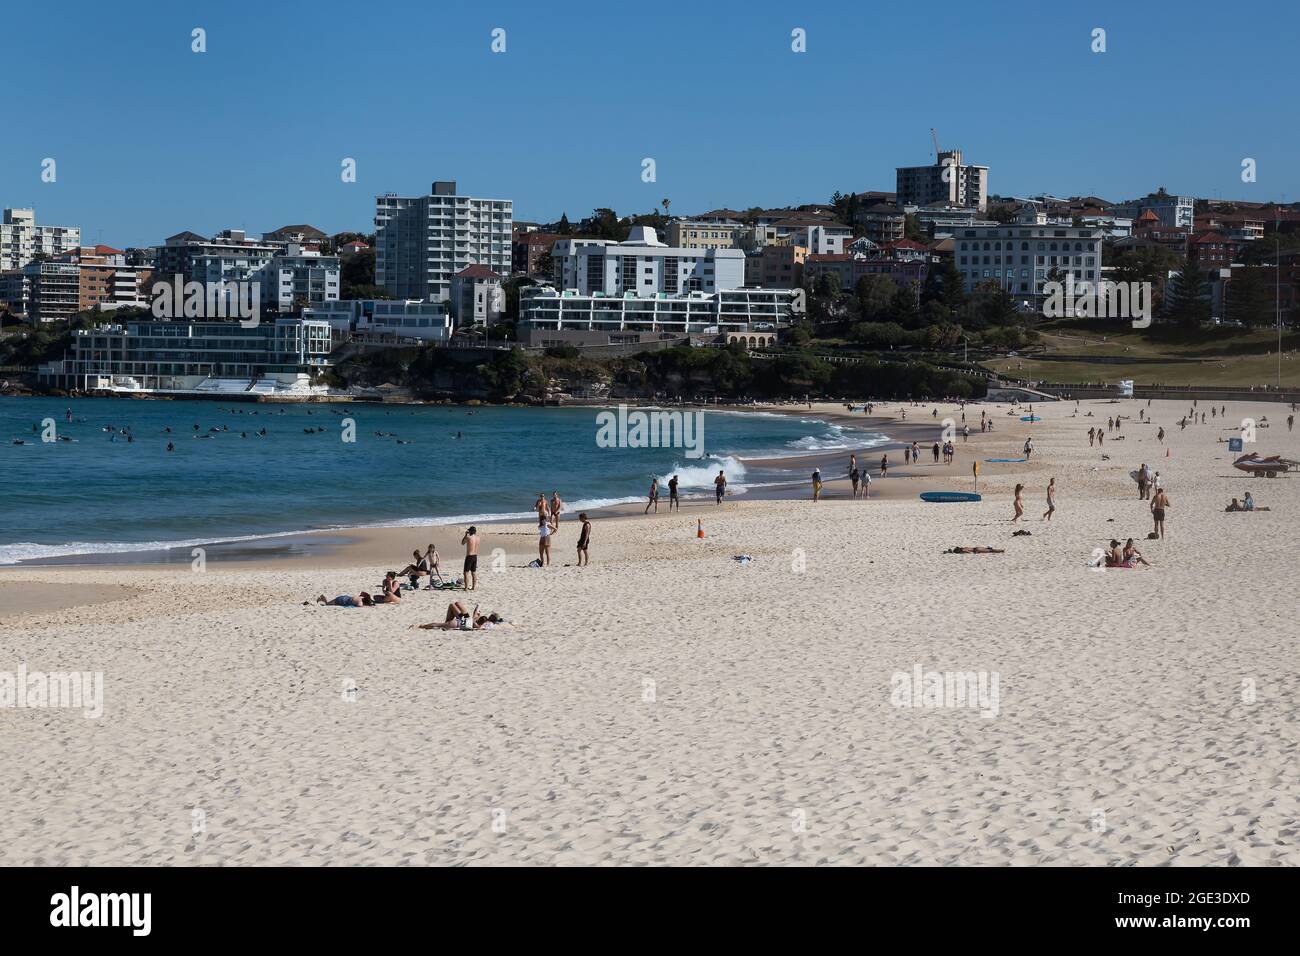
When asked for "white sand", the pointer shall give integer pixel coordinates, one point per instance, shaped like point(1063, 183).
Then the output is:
point(1119, 691)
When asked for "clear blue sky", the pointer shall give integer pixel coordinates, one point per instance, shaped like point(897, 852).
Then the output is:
point(151, 138)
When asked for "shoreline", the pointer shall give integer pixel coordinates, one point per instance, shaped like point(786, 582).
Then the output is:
point(257, 547)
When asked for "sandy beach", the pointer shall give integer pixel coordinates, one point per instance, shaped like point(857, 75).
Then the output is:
point(671, 705)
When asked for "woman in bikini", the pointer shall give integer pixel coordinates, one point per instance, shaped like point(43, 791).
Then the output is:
point(1019, 503)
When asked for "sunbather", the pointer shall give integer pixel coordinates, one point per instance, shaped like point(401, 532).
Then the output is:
point(392, 590)
point(976, 550)
point(459, 619)
point(347, 600)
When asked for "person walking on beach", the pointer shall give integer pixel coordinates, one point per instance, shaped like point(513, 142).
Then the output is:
point(817, 484)
point(907, 455)
point(672, 494)
point(1029, 448)
point(866, 483)
point(653, 501)
point(1092, 435)
point(1144, 482)
point(936, 452)
point(584, 539)
point(853, 480)
point(1160, 435)
point(1051, 500)
point(1159, 504)
point(916, 453)
point(470, 570)
point(1019, 503)
point(719, 487)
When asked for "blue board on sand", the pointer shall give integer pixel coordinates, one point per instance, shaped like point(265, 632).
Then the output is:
point(1030, 418)
point(947, 496)
point(1006, 459)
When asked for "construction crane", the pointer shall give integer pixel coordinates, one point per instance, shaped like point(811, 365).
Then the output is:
point(935, 136)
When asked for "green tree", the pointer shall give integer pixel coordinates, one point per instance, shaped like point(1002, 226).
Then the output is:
point(1248, 301)
point(1187, 298)
point(875, 294)
point(903, 308)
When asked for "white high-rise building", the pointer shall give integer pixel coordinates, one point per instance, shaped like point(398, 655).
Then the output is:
point(21, 240)
point(422, 241)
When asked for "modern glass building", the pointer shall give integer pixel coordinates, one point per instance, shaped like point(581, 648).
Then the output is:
point(195, 357)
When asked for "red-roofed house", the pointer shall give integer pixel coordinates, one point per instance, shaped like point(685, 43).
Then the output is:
point(1212, 250)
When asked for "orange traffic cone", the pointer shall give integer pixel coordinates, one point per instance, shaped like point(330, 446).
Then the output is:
point(699, 527)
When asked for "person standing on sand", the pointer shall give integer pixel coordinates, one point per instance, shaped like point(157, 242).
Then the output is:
point(557, 506)
point(653, 501)
point(540, 506)
point(1051, 500)
point(1019, 503)
point(853, 480)
point(936, 452)
point(884, 465)
point(672, 494)
point(1144, 481)
point(817, 484)
point(470, 541)
point(719, 486)
point(907, 455)
point(584, 539)
point(1159, 504)
point(866, 483)
point(543, 542)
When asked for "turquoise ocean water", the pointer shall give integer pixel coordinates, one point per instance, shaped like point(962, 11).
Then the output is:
point(97, 492)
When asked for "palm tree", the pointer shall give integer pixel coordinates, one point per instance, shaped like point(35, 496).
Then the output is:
point(666, 203)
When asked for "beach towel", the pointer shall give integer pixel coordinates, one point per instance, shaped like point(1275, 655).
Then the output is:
point(742, 558)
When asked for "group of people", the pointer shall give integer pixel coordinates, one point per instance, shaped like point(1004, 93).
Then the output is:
point(1019, 501)
point(1124, 556)
point(548, 525)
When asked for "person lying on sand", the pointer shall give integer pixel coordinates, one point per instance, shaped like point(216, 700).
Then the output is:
point(347, 600)
point(977, 550)
point(458, 619)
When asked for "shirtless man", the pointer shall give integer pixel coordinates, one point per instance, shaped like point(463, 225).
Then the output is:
point(584, 539)
point(557, 506)
point(719, 486)
point(470, 541)
point(1159, 504)
point(654, 497)
point(672, 494)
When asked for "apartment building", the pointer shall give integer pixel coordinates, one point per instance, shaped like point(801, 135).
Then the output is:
point(1020, 257)
point(291, 275)
point(529, 249)
point(881, 222)
point(948, 180)
point(776, 267)
point(644, 266)
point(422, 241)
point(476, 296)
point(693, 234)
point(43, 291)
point(21, 240)
point(566, 317)
point(1173, 212)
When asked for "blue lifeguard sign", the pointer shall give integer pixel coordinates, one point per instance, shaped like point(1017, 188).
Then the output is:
point(1234, 444)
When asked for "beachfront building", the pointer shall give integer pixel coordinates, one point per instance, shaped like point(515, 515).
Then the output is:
point(200, 358)
point(644, 266)
point(1021, 257)
point(948, 180)
point(292, 275)
point(907, 268)
point(422, 241)
point(43, 291)
point(107, 282)
point(549, 316)
point(298, 278)
point(385, 320)
point(21, 240)
point(476, 296)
